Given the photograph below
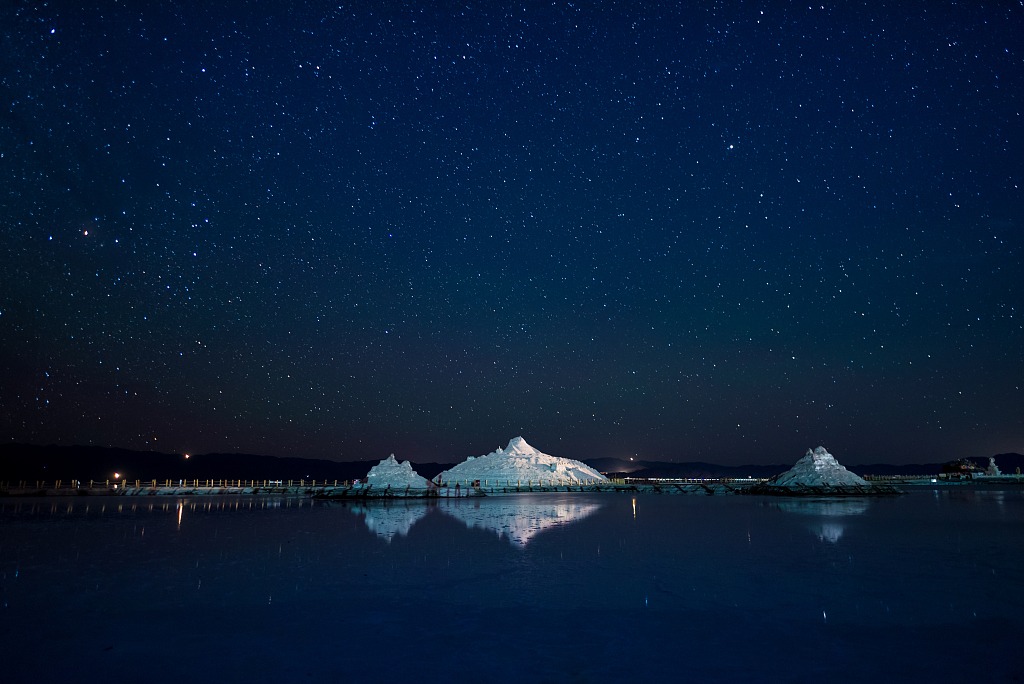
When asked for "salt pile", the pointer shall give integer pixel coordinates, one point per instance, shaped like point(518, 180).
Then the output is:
point(391, 473)
point(520, 462)
point(819, 474)
point(816, 469)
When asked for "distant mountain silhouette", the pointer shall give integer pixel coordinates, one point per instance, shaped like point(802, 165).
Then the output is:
point(660, 469)
point(48, 463)
point(693, 469)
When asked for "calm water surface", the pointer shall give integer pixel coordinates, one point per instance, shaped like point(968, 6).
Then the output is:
point(529, 588)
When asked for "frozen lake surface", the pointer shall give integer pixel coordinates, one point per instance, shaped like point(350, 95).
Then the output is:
point(528, 588)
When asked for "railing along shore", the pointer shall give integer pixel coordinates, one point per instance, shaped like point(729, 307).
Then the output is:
point(118, 484)
point(327, 487)
point(450, 488)
point(947, 478)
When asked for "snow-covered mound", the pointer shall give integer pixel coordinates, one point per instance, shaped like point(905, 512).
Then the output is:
point(391, 472)
point(818, 468)
point(520, 462)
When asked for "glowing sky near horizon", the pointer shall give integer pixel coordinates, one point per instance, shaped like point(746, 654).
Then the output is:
point(725, 234)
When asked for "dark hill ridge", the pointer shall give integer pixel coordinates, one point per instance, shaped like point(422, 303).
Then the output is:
point(1007, 463)
point(693, 469)
point(33, 462)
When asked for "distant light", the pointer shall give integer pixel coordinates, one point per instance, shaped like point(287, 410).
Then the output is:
point(188, 456)
point(117, 476)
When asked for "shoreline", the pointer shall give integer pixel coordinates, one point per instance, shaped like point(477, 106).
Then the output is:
point(878, 486)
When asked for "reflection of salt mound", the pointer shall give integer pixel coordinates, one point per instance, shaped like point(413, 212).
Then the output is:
point(818, 468)
point(389, 520)
point(830, 532)
point(832, 508)
point(517, 520)
point(827, 528)
point(520, 462)
point(390, 472)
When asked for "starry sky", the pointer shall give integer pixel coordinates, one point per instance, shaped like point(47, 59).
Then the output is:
point(719, 231)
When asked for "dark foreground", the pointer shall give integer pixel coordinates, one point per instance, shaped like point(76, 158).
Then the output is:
point(550, 587)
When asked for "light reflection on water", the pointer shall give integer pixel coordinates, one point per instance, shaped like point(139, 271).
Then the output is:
point(828, 526)
point(99, 506)
point(388, 519)
point(516, 519)
point(633, 587)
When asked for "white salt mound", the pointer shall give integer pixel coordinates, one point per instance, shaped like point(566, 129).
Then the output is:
point(818, 468)
point(520, 462)
point(391, 472)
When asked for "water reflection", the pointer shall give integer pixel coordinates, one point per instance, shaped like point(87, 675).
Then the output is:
point(682, 587)
point(389, 519)
point(829, 508)
point(178, 506)
point(828, 529)
point(518, 519)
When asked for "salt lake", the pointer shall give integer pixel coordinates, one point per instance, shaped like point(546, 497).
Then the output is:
point(519, 588)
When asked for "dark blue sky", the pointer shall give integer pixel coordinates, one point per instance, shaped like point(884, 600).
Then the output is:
point(637, 229)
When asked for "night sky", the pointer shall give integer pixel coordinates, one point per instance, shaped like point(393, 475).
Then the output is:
point(725, 233)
